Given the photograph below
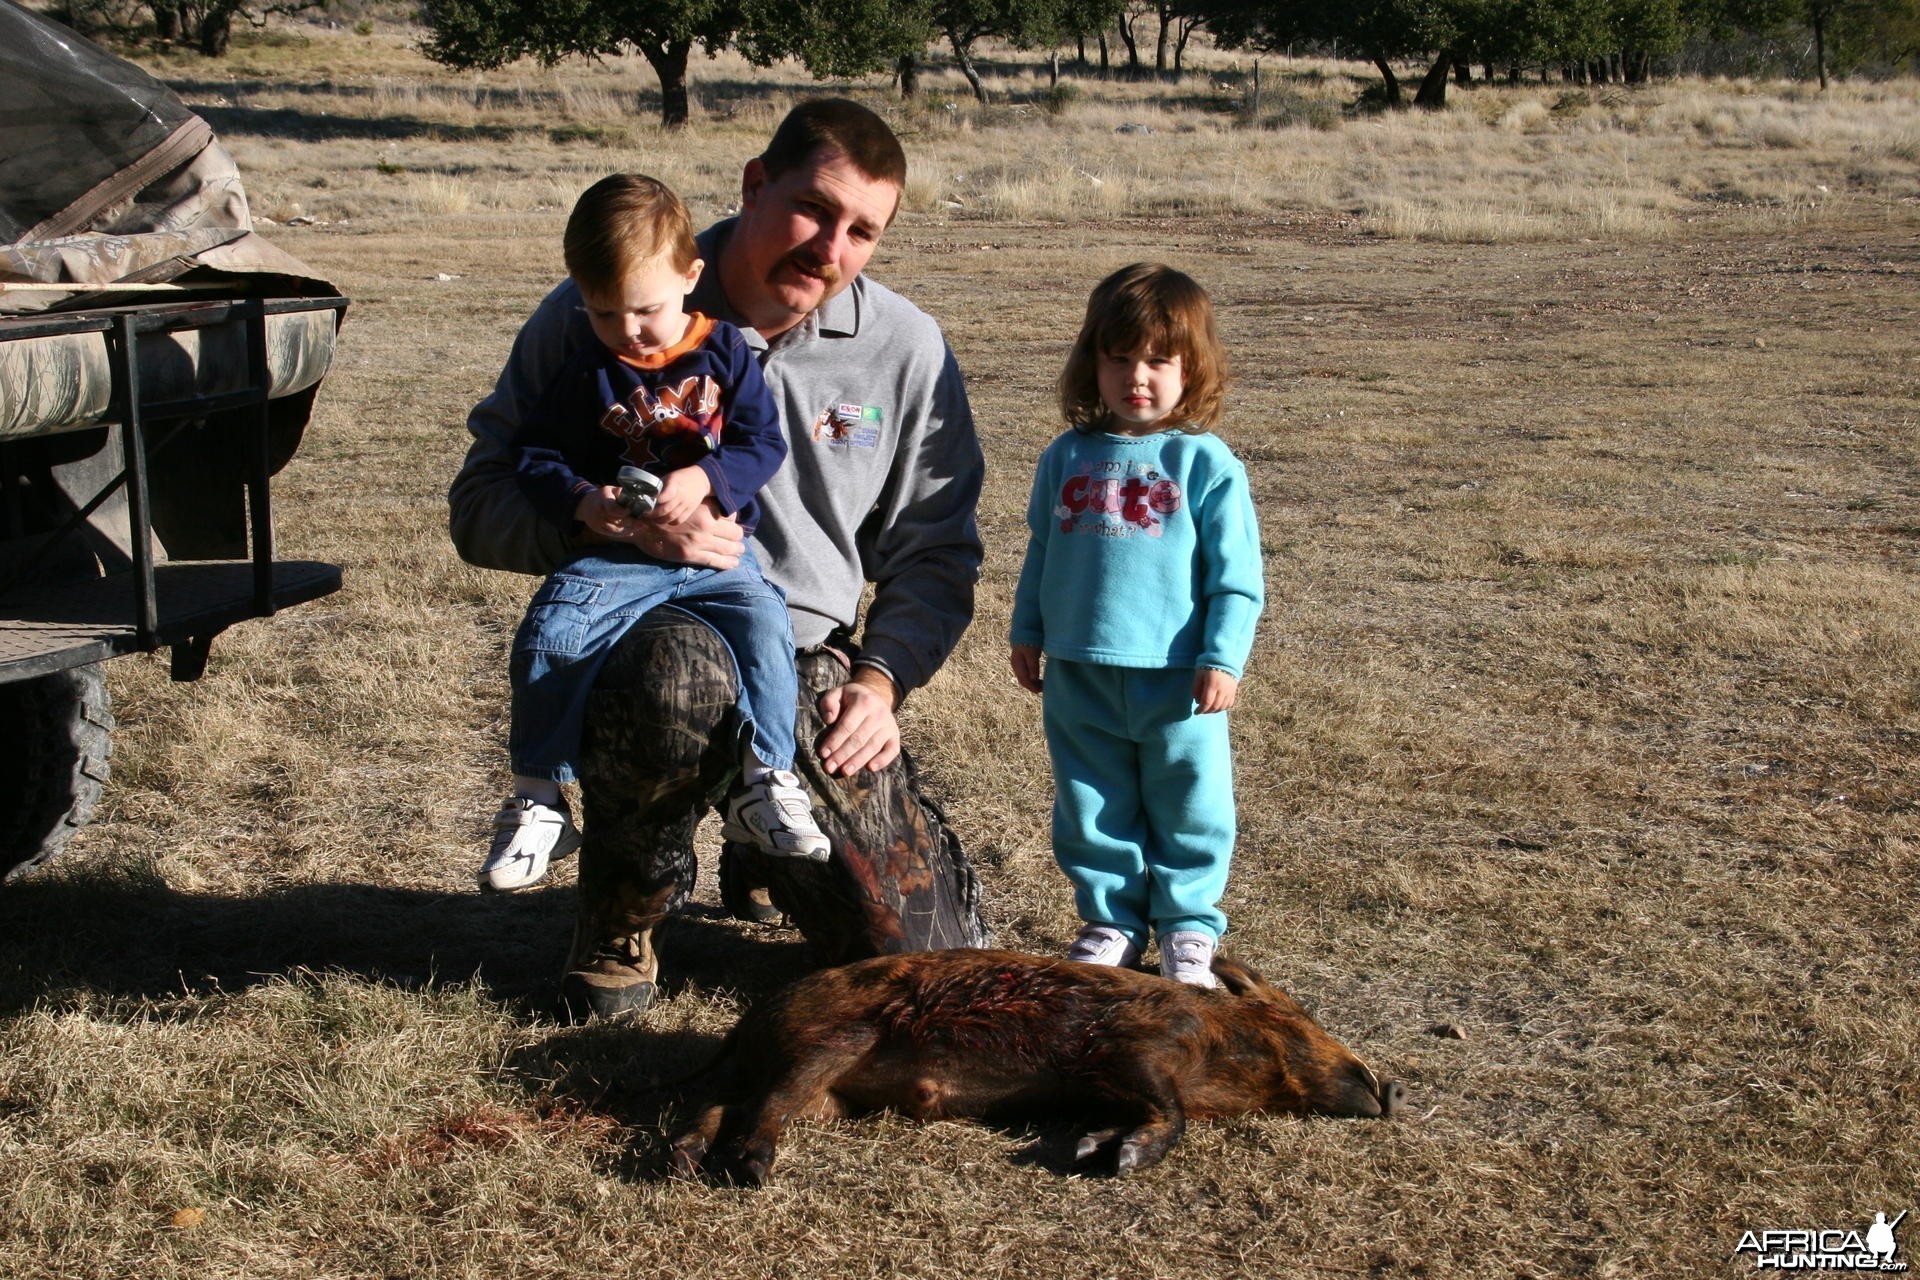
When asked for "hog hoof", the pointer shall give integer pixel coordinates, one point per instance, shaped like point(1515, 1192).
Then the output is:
point(1132, 1157)
point(687, 1163)
point(1092, 1144)
point(688, 1156)
point(1146, 1147)
point(749, 1166)
point(756, 1164)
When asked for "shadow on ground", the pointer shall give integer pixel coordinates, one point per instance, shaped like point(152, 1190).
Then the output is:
point(225, 105)
point(75, 937)
point(120, 934)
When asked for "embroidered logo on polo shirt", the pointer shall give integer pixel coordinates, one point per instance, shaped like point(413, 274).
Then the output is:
point(857, 425)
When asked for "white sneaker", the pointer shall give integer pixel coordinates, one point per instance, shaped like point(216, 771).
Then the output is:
point(1186, 955)
point(527, 837)
point(775, 815)
point(1103, 944)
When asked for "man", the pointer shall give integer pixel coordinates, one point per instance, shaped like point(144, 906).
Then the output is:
point(881, 483)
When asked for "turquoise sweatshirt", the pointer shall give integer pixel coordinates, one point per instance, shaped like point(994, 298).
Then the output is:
point(1145, 553)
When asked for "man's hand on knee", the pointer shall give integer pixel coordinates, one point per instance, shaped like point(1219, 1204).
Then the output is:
point(862, 732)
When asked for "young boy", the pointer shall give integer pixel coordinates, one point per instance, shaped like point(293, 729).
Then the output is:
point(678, 396)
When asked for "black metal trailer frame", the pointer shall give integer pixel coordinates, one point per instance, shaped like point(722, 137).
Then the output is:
point(47, 627)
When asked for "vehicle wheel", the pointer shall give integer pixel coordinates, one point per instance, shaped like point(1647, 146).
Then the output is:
point(53, 762)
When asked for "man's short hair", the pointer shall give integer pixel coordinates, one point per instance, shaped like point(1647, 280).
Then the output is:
point(619, 225)
point(842, 125)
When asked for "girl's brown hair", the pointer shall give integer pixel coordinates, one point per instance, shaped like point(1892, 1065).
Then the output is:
point(620, 224)
point(1147, 307)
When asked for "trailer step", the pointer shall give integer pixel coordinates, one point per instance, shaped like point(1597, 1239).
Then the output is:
point(45, 629)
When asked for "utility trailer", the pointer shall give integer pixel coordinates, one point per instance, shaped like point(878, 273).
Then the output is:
point(158, 365)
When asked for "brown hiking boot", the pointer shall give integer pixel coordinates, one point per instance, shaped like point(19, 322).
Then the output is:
point(617, 978)
point(743, 886)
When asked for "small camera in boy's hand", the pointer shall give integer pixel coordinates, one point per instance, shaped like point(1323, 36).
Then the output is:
point(639, 491)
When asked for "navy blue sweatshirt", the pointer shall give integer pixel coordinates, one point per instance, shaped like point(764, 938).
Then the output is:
point(701, 402)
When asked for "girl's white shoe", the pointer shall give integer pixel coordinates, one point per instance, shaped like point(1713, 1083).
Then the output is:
point(1103, 944)
point(1186, 955)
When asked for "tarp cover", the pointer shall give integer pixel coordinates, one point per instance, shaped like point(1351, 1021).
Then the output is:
point(73, 118)
point(106, 176)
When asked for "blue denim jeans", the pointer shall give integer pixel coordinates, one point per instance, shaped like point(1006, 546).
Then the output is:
point(583, 609)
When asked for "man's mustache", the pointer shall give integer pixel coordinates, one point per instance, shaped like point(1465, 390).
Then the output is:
point(826, 272)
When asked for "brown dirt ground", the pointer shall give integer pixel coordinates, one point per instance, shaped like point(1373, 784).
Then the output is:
point(1582, 720)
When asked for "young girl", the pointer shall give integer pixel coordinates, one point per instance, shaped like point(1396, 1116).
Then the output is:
point(1141, 586)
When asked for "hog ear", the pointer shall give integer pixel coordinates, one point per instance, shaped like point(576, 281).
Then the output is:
point(1237, 977)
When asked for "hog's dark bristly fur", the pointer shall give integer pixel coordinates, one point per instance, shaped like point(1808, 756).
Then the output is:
point(1001, 1035)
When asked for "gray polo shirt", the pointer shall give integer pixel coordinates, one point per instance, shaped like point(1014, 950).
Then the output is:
point(883, 473)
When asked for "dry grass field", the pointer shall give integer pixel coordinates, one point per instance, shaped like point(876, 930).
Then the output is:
point(1583, 427)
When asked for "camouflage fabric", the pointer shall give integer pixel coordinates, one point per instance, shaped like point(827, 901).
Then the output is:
point(660, 744)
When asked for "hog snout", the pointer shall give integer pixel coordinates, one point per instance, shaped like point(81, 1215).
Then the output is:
point(1359, 1094)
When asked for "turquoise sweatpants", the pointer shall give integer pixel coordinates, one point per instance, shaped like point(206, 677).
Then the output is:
point(1143, 819)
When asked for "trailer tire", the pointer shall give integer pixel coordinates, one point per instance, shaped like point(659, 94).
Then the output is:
point(53, 762)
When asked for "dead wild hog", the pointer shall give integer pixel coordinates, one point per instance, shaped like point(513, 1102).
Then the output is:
point(999, 1034)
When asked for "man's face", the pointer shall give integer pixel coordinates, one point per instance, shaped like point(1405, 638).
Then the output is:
point(802, 237)
point(644, 313)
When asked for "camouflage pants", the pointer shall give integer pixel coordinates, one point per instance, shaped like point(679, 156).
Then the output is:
point(660, 742)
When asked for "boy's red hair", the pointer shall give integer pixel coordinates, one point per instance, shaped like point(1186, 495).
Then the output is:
point(620, 224)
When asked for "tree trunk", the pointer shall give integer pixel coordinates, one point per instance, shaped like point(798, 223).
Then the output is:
point(669, 63)
point(1160, 41)
point(1053, 69)
point(216, 30)
point(1820, 44)
point(1392, 81)
point(1133, 49)
point(1180, 47)
point(1080, 43)
point(1463, 74)
point(1433, 87)
point(1105, 62)
point(908, 70)
point(965, 59)
point(166, 19)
